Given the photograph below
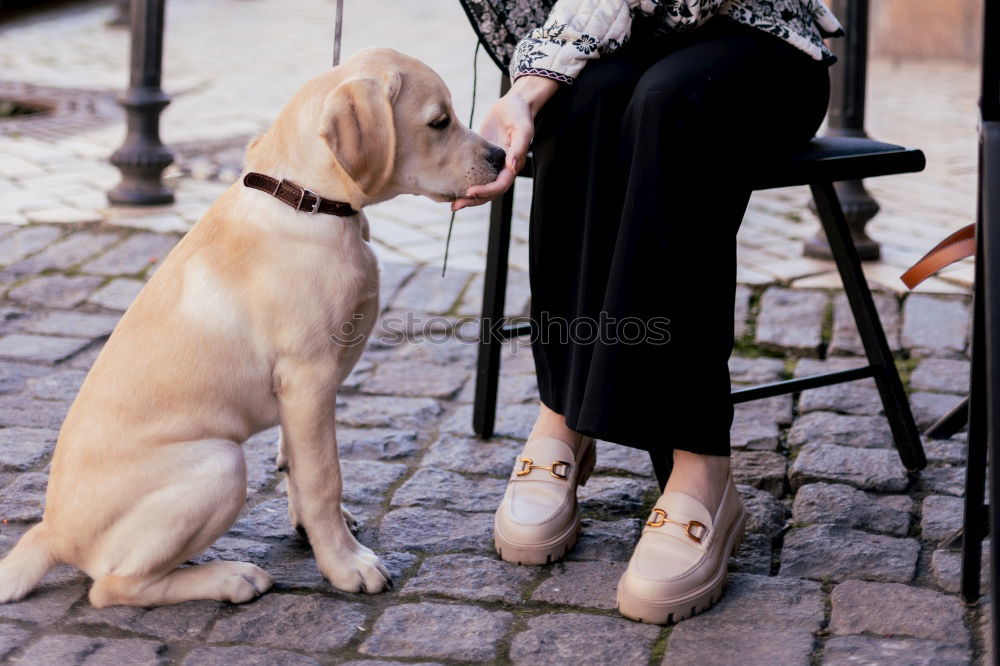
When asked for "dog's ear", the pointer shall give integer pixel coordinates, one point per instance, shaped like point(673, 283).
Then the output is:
point(359, 128)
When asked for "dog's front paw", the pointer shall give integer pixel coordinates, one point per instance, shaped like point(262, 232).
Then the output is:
point(359, 570)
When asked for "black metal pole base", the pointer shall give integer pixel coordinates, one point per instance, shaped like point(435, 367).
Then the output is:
point(859, 207)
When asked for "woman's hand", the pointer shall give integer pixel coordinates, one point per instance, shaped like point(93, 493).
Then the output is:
point(510, 124)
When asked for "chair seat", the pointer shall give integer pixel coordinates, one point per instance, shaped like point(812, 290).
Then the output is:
point(835, 159)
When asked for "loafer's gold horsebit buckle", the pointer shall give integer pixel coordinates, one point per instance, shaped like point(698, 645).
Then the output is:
point(693, 529)
point(559, 468)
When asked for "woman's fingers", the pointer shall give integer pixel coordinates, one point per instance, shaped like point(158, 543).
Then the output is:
point(520, 139)
point(480, 194)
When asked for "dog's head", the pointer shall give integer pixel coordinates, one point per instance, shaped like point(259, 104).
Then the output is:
point(389, 125)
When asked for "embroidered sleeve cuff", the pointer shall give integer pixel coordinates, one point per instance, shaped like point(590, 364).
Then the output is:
point(547, 73)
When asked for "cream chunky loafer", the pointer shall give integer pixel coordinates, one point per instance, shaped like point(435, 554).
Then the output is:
point(680, 565)
point(538, 519)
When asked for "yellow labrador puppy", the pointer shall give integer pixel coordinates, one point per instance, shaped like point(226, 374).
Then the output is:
point(242, 328)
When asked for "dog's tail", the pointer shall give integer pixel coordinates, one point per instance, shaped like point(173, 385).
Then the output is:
point(25, 565)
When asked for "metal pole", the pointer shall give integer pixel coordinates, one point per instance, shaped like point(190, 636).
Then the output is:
point(142, 157)
point(847, 118)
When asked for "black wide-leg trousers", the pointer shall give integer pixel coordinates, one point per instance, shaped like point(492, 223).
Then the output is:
point(642, 172)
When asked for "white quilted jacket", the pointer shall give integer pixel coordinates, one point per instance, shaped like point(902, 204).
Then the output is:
point(579, 30)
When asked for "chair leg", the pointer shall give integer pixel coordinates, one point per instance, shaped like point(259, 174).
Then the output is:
point(975, 460)
point(492, 322)
point(890, 387)
point(950, 423)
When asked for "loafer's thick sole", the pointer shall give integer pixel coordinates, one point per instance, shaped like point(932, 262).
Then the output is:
point(698, 600)
point(552, 549)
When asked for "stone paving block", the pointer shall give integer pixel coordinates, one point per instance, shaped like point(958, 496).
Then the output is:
point(791, 320)
point(512, 389)
point(23, 448)
point(741, 311)
point(438, 488)
point(516, 300)
point(838, 504)
point(946, 568)
point(436, 530)
point(841, 553)
point(870, 432)
point(69, 649)
point(769, 410)
point(891, 609)
point(572, 638)
point(44, 348)
point(428, 292)
point(613, 496)
point(267, 520)
point(276, 620)
point(845, 338)
point(759, 620)
point(61, 385)
point(618, 459)
point(11, 638)
point(847, 398)
point(606, 540)
point(472, 578)
point(438, 631)
point(416, 378)
point(929, 407)
point(514, 421)
point(761, 469)
point(26, 241)
point(14, 375)
point(754, 555)
point(49, 603)
point(260, 451)
point(750, 431)
point(20, 410)
point(388, 412)
point(133, 255)
point(473, 455)
point(949, 451)
point(941, 516)
point(117, 294)
point(765, 514)
point(756, 370)
point(935, 325)
point(583, 584)
point(939, 374)
point(73, 324)
point(245, 656)
point(63, 215)
point(392, 275)
point(61, 255)
point(59, 291)
point(877, 650)
point(24, 499)
point(942, 480)
point(367, 481)
point(377, 443)
point(185, 621)
point(867, 469)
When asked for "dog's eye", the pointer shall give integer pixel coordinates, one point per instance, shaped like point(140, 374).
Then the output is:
point(440, 123)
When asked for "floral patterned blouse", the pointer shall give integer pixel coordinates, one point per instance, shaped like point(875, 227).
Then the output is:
point(579, 30)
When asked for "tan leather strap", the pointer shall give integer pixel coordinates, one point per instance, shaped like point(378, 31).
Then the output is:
point(297, 197)
point(958, 245)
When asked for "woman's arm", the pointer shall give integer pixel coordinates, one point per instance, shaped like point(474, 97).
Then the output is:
point(553, 55)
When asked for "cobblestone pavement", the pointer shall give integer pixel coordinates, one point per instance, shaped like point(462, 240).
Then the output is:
point(844, 562)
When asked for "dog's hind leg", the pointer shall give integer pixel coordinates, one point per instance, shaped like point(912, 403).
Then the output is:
point(136, 561)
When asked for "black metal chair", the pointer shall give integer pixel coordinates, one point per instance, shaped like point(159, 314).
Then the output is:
point(980, 520)
point(822, 163)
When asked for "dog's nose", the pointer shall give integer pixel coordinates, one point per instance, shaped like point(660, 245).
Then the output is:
point(496, 157)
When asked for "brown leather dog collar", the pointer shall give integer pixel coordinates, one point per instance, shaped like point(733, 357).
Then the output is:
point(297, 197)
